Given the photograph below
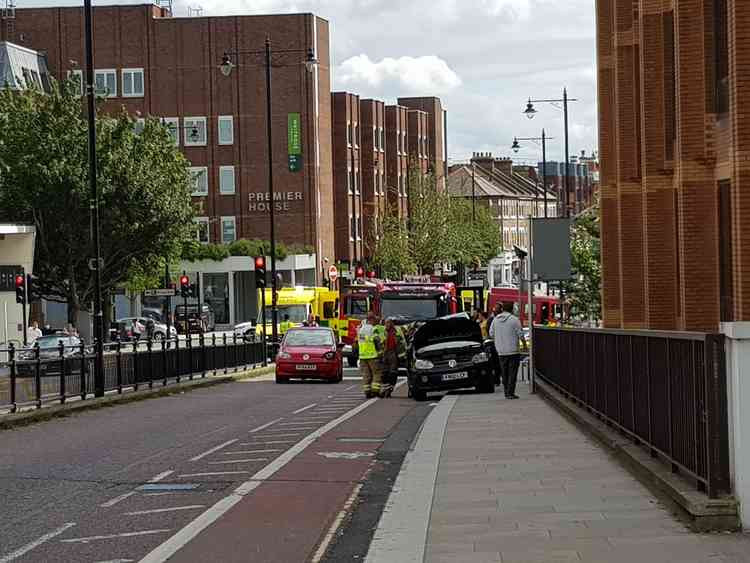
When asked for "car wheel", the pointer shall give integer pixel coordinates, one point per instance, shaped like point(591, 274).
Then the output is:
point(418, 395)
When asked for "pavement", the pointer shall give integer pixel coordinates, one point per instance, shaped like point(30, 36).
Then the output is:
point(490, 479)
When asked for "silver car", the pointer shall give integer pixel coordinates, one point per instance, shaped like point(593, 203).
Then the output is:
point(139, 325)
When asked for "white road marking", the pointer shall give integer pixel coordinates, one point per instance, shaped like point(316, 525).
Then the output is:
point(116, 561)
point(212, 450)
point(264, 443)
point(263, 427)
point(36, 543)
point(323, 547)
point(278, 435)
point(110, 503)
point(350, 387)
point(250, 452)
point(114, 536)
point(167, 549)
point(303, 409)
point(161, 476)
point(212, 473)
point(160, 510)
point(224, 461)
point(297, 424)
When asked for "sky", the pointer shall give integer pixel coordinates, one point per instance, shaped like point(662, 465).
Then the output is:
point(483, 58)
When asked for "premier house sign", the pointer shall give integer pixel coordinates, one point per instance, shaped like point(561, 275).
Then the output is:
point(260, 201)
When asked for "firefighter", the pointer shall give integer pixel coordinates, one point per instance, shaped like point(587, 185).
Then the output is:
point(371, 337)
point(285, 325)
point(395, 346)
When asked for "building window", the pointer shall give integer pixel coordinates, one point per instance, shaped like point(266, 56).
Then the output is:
point(359, 228)
point(356, 181)
point(173, 125)
point(105, 82)
point(349, 181)
point(726, 278)
point(202, 233)
point(356, 135)
point(228, 230)
point(226, 130)
point(200, 180)
point(348, 133)
point(382, 140)
point(382, 183)
point(226, 179)
point(77, 77)
point(132, 83)
point(374, 137)
point(352, 228)
point(195, 131)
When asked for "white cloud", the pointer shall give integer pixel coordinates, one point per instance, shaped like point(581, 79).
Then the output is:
point(410, 75)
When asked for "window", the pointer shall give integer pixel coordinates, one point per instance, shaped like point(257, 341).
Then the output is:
point(382, 140)
point(195, 131)
point(228, 230)
point(105, 83)
point(200, 180)
point(132, 83)
point(173, 124)
point(349, 181)
point(201, 230)
point(226, 179)
point(352, 228)
point(357, 181)
point(359, 228)
point(77, 77)
point(356, 136)
point(226, 130)
point(348, 133)
point(374, 137)
point(382, 183)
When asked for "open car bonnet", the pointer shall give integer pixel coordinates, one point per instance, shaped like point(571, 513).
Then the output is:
point(452, 328)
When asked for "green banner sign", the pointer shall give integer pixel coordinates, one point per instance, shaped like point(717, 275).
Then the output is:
point(294, 135)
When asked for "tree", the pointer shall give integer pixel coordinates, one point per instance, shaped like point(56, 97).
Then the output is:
point(392, 254)
point(584, 292)
point(144, 184)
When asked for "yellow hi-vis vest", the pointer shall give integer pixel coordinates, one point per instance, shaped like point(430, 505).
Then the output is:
point(284, 326)
point(366, 338)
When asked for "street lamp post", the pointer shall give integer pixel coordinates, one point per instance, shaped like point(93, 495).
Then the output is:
point(530, 112)
point(226, 69)
point(516, 146)
point(473, 195)
point(96, 263)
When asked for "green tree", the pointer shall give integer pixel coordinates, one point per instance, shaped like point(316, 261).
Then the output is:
point(144, 184)
point(584, 292)
point(392, 252)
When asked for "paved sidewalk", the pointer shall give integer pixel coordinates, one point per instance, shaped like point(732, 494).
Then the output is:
point(517, 482)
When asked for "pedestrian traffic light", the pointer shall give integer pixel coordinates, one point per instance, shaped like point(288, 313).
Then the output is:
point(31, 287)
point(260, 271)
point(185, 286)
point(20, 289)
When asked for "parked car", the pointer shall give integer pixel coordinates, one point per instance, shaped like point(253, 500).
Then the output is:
point(49, 354)
point(309, 353)
point(448, 353)
point(134, 328)
point(245, 330)
point(198, 323)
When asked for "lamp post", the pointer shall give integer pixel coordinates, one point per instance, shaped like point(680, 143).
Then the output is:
point(516, 146)
point(530, 112)
point(96, 263)
point(226, 68)
point(473, 194)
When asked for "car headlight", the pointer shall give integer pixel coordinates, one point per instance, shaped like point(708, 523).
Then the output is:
point(479, 358)
point(285, 356)
point(423, 364)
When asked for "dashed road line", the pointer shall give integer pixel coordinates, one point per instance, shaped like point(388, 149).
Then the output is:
point(110, 503)
point(303, 409)
point(115, 536)
point(225, 461)
point(161, 476)
point(213, 473)
point(264, 443)
point(279, 435)
point(160, 510)
point(36, 543)
point(252, 452)
point(266, 425)
point(215, 449)
point(117, 561)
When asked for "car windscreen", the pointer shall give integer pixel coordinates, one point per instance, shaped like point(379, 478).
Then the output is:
point(54, 341)
point(297, 313)
point(413, 309)
point(309, 338)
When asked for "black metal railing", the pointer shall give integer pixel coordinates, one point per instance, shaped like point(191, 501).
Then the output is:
point(38, 376)
point(665, 390)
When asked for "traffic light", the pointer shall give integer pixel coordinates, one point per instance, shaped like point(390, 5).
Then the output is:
point(260, 271)
point(184, 286)
point(193, 291)
point(20, 289)
point(31, 288)
point(359, 272)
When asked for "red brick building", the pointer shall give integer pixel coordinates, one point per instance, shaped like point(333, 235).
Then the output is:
point(674, 135)
point(419, 141)
point(397, 158)
point(436, 133)
point(373, 153)
point(152, 64)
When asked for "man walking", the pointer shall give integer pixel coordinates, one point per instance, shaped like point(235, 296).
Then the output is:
point(506, 331)
point(370, 337)
point(33, 333)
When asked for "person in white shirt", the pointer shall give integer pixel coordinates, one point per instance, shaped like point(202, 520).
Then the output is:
point(33, 333)
point(506, 331)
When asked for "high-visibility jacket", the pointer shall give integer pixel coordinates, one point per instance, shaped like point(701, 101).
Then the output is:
point(367, 337)
point(284, 326)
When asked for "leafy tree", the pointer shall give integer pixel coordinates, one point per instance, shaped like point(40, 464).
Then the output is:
point(144, 184)
point(392, 253)
point(584, 292)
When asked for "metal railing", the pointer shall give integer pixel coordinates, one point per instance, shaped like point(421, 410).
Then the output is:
point(39, 376)
point(665, 390)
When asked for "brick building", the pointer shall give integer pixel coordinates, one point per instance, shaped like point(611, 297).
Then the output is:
point(673, 140)
point(436, 138)
point(397, 158)
point(152, 64)
point(373, 164)
point(581, 187)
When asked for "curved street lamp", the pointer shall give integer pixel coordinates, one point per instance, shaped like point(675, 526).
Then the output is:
point(516, 146)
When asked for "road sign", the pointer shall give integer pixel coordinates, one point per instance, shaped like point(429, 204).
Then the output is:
point(333, 273)
point(170, 292)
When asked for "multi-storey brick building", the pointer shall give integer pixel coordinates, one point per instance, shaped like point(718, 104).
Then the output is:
point(397, 158)
point(152, 64)
point(419, 141)
point(435, 134)
point(373, 164)
point(581, 188)
point(673, 142)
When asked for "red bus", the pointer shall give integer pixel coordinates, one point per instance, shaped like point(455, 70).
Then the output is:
point(546, 307)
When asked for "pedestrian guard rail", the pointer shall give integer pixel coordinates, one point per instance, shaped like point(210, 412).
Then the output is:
point(665, 390)
point(34, 376)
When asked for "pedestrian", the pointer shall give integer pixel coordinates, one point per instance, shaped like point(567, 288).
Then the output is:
point(33, 333)
point(483, 325)
point(506, 331)
point(150, 328)
point(311, 320)
point(370, 338)
point(285, 325)
point(394, 347)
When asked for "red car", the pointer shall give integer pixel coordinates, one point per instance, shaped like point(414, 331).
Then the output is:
point(309, 353)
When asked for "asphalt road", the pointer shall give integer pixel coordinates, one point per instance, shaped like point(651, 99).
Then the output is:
point(117, 484)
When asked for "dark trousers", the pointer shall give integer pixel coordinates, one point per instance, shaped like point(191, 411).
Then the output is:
point(509, 368)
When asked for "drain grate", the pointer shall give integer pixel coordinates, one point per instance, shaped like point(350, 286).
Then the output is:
point(161, 487)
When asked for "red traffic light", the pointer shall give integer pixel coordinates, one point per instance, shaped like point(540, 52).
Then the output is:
point(371, 274)
point(19, 281)
point(260, 262)
point(184, 280)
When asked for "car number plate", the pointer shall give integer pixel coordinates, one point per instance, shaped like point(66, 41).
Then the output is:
point(459, 375)
point(306, 367)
